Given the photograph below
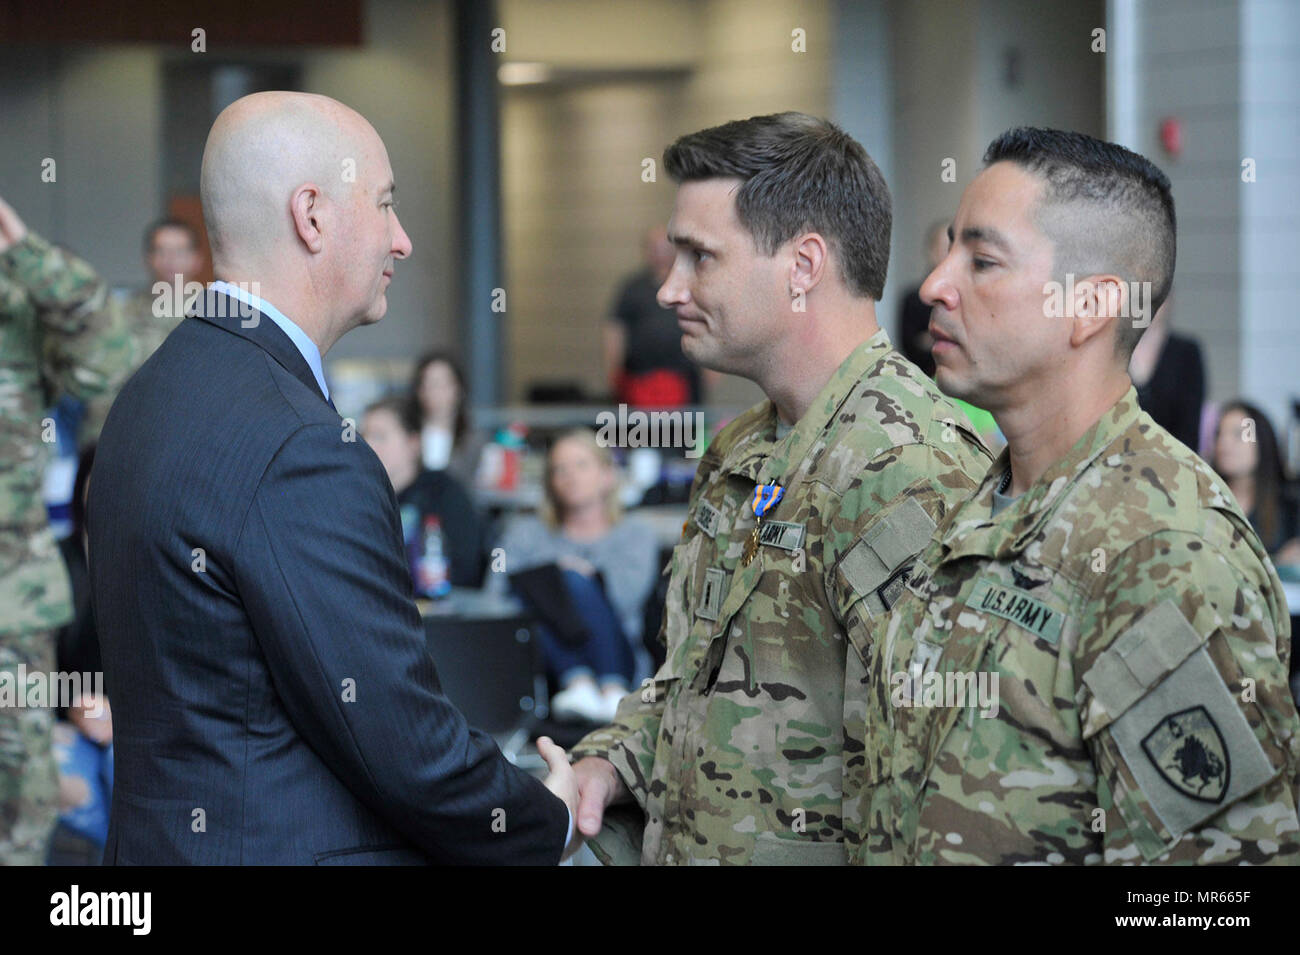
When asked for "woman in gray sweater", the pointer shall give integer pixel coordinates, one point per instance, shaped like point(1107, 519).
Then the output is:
point(609, 565)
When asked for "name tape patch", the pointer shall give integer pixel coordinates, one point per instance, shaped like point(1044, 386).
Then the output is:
point(706, 518)
point(782, 534)
point(1012, 603)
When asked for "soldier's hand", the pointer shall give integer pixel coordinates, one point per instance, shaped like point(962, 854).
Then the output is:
point(562, 781)
point(12, 228)
point(599, 785)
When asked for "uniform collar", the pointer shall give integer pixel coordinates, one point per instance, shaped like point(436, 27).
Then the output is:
point(763, 459)
point(972, 531)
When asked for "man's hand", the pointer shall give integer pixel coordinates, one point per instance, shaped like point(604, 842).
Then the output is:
point(92, 716)
point(12, 229)
point(561, 780)
point(599, 786)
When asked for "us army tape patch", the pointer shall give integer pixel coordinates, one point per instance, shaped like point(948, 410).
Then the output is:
point(715, 591)
point(1190, 747)
point(782, 534)
point(1012, 603)
point(706, 518)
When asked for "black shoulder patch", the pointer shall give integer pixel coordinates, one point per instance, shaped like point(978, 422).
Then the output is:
point(1189, 752)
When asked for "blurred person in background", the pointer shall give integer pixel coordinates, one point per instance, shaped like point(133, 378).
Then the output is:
point(171, 254)
point(1169, 375)
point(439, 520)
point(644, 362)
point(610, 564)
point(83, 737)
point(1245, 454)
point(56, 337)
point(447, 442)
point(914, 339)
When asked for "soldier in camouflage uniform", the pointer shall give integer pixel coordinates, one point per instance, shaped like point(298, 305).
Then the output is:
point(55, 336)
point(734, 753)
point(149, 314)
point(1102, 573)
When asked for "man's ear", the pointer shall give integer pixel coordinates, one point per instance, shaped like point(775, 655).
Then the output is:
point(305, 205)
point(811, 259)
point(1098, 300)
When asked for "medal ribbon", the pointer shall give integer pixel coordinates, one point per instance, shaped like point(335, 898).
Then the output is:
point(766, 497)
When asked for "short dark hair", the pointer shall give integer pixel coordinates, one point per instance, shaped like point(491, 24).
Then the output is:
point(400, 407)
point(1121, 216)
point(169, 223)
point(799, 173)
point(441, 357)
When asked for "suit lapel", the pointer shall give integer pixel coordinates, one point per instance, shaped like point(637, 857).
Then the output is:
point(230, 314)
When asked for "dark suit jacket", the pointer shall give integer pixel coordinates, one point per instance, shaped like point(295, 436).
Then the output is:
point(273, 698)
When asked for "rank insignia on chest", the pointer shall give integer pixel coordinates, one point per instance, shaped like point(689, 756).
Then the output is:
point(764, 498)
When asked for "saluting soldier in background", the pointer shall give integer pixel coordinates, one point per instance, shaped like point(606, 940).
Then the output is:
point(804, 515)
point(1102, 572)
point(56, 336)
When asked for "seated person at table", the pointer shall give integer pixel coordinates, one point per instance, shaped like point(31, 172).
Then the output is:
point(609, 566)
point(444, 533)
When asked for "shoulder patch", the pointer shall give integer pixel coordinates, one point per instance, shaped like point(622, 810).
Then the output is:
point(874, 567)
point(1178, 728)
point(1188, 751)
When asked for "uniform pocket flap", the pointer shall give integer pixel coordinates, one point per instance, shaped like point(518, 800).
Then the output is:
point(889, 546)
point(1140, 658)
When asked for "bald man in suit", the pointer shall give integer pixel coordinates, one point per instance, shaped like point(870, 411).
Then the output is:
point(273, 699)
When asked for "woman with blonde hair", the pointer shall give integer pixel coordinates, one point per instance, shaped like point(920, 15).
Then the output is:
point(609, 563)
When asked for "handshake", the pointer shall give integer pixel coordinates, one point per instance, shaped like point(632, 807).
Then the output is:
point(588, 787)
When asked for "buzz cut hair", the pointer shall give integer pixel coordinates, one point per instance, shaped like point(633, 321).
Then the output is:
point(400, 407)
point(1106, 209)
point(798, 174)
point(169, 223)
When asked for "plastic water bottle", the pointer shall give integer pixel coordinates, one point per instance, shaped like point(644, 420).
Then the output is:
point(433, 580)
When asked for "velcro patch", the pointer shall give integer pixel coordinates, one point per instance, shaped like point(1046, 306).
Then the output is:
point(707, 517)
point(715, 591)
point(871, 566)
point(1014, 604)
point(1189, 746)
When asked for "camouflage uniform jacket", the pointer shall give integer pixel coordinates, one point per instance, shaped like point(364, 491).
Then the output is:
point(148, 329)
point(1140, 639)
point(56, 335)
point(733, 752)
